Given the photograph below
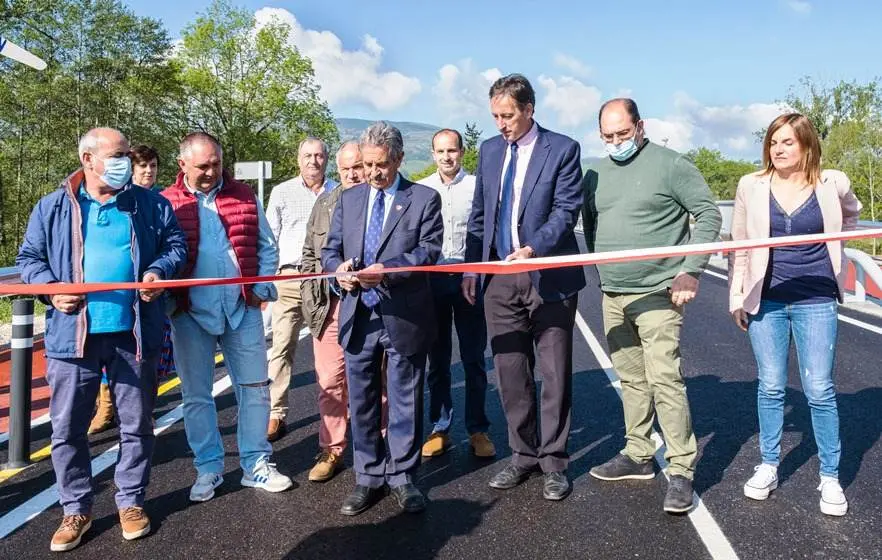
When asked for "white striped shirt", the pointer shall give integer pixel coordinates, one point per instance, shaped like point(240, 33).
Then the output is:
point(288, 211)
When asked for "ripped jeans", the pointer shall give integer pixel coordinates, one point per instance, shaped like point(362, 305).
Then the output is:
point(244, 350)
point(813, 328)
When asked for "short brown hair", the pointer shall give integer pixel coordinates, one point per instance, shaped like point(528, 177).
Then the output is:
point(143, 154)
point(808, 140)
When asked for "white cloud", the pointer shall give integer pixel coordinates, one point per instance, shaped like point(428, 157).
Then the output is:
point(799, 6)
point(347, 76)
point(461, 90)
point(574, 103)
point(728, 128)
point(572, 65)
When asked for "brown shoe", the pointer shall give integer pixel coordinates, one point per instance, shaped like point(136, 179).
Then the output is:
point(481, 445)
point(436, 444)
point(103, 419)
point(276, 429)
point(70, 532)
point(326, 466)
point(135, 523)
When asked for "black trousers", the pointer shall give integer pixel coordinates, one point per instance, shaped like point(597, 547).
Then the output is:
point(518, 319)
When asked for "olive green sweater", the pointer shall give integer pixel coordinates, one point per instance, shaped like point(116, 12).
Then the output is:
point(646, 202)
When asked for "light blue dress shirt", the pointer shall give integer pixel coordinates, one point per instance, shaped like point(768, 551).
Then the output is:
point(212, 307)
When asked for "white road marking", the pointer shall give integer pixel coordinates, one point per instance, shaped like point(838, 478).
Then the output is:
point(708, 530)
point(45, 499)
point(843, 318)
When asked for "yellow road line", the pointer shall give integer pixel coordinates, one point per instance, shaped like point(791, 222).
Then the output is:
point(44, 452)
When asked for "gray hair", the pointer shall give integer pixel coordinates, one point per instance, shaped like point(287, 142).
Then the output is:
point(345, 145)
point(186, 147)
point(382, 133)
point(310, 140)
point(90, 140)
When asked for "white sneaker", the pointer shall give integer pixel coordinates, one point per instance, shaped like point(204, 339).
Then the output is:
point(833, 500)
point(763, 481)
point(203, 489)
point(266, 477)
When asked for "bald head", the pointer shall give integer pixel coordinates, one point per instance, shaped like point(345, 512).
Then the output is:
point(96, 146)
point(349, 165)
point(201, 161)
point(619, 121)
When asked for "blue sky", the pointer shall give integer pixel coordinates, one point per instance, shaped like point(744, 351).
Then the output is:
point(703, 73)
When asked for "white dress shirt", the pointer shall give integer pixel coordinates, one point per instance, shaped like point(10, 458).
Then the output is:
point(526, 144)
point(288, 211)
point(456, 206)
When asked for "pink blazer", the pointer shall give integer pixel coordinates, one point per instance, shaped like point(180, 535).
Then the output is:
point(750, 220)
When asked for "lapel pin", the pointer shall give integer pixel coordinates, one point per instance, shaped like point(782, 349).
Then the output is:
point(398, 208)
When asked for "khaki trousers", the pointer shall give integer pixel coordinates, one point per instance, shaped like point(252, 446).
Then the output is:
point(643, 334)
point(287, 322)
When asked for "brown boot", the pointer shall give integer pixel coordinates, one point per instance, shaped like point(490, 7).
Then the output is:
point(103, 419)
point(276, 429)
point(135, 523)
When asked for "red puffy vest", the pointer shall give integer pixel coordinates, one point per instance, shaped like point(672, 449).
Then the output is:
point(237, 208)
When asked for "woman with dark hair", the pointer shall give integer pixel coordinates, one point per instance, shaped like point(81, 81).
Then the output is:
point(145, 165)
point(790, 293)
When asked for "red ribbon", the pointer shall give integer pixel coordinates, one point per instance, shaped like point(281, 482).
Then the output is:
point(494, 267)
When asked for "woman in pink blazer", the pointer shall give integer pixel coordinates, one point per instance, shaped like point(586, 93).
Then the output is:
point(791, 292)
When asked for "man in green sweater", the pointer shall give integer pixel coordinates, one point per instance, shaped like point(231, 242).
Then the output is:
point(640, 197)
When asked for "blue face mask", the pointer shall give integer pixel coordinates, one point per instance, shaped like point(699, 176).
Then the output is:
point(117, 172)
point(623, 151)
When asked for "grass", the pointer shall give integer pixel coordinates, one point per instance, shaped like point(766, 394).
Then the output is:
point(6, 309)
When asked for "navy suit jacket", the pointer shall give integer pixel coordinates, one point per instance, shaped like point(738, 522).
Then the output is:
point(550, 203)
point(412, 236)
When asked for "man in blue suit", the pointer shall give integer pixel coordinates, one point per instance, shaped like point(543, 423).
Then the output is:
point(527, 200)
point(388, 222)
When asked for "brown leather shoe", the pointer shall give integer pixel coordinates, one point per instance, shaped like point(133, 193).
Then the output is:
point(326, 466)
point(481, 445)
point(70, 532)
point(276, 429)
point(103, 419)
point(135, 523)
point(436, 444)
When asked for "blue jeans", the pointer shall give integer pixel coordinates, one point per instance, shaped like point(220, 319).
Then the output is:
point(73, 385)
point(244, 350)
point(813, 328)
point(471, 330)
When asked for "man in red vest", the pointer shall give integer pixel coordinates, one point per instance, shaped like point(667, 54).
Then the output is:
point(227, 236)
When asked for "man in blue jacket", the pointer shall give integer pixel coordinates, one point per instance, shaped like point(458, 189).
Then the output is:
point(98, 227)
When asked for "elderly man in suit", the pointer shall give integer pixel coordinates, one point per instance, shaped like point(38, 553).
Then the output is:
point(527, 199)
point(385, 223)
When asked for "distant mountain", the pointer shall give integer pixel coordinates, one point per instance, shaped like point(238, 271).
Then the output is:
point(417, 140)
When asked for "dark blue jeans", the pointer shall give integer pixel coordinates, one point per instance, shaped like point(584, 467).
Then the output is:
point(471, 330)
point(73, 385)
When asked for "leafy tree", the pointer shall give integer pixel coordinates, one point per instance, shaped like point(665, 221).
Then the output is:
point(251, 87)
point(107, 67)
point(721, 174)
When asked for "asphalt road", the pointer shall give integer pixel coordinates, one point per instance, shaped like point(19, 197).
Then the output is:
point(467, 519)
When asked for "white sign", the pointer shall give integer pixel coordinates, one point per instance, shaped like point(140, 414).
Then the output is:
point(245, 170)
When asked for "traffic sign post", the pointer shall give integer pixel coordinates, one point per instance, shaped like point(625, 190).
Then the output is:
point(260, 170)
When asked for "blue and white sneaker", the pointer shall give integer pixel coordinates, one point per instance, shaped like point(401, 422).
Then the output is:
point(266, 477)
point(203, 489)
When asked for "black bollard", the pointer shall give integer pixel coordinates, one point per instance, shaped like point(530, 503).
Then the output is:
point(20, 383)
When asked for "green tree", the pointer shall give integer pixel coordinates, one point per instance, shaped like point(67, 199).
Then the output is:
point(471, 138)
point(251, 87)
point(423, 173)
point(107, 67)
point(721, 174)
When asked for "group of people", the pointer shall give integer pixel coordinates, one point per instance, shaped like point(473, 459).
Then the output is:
point(379, 337)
